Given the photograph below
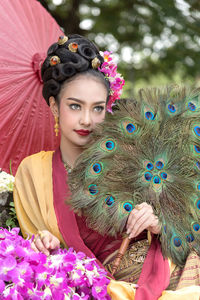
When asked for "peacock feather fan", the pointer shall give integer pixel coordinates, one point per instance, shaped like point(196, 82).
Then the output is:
point(148, 150)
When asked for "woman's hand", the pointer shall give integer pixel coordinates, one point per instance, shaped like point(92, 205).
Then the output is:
point(141, 218)
point(45, 241)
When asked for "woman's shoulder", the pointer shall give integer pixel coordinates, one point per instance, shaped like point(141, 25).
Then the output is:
point(36, 159)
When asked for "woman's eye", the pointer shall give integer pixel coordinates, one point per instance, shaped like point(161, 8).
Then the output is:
point(98, 108)
point(75, 106)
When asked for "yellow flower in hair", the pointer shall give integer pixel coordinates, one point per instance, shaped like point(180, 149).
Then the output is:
point(96, 63)
point(106, 57)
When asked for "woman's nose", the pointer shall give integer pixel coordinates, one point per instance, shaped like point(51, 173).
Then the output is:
point(85, 118)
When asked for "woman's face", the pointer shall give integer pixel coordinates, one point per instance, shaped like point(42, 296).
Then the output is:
point(82, 106)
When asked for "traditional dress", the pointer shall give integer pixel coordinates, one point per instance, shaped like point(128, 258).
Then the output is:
point(40, 196)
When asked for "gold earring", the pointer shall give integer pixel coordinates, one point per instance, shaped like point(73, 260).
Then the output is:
point(56, 126)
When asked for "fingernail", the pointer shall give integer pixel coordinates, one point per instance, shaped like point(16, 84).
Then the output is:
point(128, 231)
point(131, 235)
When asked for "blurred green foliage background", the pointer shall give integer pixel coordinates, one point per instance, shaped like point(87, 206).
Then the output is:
point(155, 42)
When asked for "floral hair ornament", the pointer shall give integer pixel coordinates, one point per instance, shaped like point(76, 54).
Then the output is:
point(54, 60)
point(62, 39)
point(73, 47)
point(96, 63)
point(109, 68)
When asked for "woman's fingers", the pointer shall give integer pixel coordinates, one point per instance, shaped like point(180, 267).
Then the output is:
point(34, 247)
point(45, 241)
point(136, 214)
point(42, 242)
point(156, 227)
point(141, 218)
point(142, 224)
point(40, 245)
point(138, 224)
point(55, 243)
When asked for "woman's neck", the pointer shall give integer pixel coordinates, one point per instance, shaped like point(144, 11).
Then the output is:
point(69, 152)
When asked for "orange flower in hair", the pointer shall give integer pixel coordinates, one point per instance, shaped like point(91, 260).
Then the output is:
point(54, 60)
point(73, 47)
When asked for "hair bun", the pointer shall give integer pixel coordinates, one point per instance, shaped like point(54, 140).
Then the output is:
point(52, 48)
point(47, 74)
point(70, 61)
point(87, 51)
point(50, 88)
point(62, 72)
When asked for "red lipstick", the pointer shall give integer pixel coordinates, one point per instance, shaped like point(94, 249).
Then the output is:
point(83, 132)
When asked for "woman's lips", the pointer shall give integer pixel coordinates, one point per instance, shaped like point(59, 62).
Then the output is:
point(83, 132)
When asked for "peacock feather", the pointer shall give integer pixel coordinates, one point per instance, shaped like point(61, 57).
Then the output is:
point(148, 150)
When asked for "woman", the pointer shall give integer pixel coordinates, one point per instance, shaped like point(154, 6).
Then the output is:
point(77, 93)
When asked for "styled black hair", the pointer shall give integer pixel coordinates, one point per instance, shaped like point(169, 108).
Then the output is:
point(70, 57)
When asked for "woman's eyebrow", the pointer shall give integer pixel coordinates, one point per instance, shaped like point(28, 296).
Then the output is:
point(82, 101)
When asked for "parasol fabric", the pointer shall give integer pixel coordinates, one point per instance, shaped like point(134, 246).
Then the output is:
point(26, 126)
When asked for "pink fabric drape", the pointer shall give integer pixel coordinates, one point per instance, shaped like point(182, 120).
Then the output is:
point(65, 216)
point(155, 274)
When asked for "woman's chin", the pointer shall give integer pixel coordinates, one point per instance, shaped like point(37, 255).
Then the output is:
point(81, 142)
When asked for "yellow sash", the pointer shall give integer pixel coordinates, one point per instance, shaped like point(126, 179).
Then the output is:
point(33, 195)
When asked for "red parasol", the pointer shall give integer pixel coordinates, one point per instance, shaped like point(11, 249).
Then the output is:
point(26, 126)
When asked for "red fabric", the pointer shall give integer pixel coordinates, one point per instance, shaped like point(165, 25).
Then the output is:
point(66, 218)
point(155, 274)
point(101, 246)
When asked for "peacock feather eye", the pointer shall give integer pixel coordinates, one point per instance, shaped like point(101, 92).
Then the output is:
point(108, 145)
point(165, 228)
point(191, 106)
point(177, 241)
point(149, 115)
point(130, 128)
point(149, 166)
point(93, 190)
point(198, 204)
point(172, 108)
point(97, 168)
point(163, 175)
point(197, 149)
point(196, 227)
point(189, 238)
point(110, 200)
point(197, 130)
point(159, 165)
point(198, 186)
point(198, 165)
point(148, 176)
point(128, 206)
point(156, 180)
